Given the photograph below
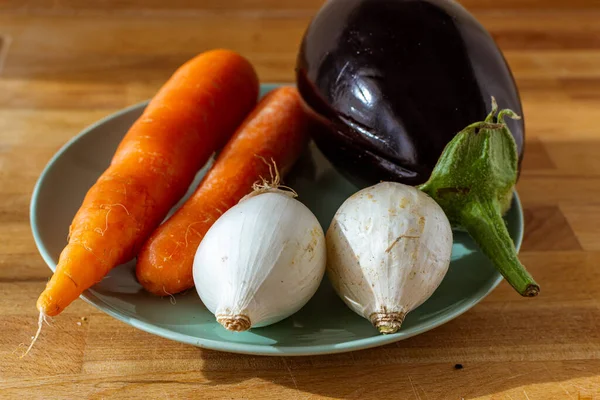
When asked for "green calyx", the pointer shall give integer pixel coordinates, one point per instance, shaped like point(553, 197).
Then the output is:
point(473, 182)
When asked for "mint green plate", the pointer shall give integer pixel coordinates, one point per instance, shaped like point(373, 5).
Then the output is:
point(325, 325)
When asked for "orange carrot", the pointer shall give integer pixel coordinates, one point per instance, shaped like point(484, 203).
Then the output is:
point(276, 130)
point(190, 117)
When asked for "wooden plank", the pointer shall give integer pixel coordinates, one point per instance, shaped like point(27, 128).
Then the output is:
point(15, 238)
point(520, 380)
point(262, 6)
point(177, 7)
point(548, 190)
point(23, 267)
point(4, 44)
point(537, 6)
point(42, 129)
point(578, 277)
point(575, 156)
point(77, 52)
point(585, 220)
point(547, 31)
point(23, 295)
point(45, 359)
point(552, 121)
point(536, 157)
point(31, 94)
point(548, 229)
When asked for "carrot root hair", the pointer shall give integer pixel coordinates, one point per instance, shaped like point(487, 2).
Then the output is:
point(172, 299)
point(101, 231)
point(42, 318)
point(189, 228)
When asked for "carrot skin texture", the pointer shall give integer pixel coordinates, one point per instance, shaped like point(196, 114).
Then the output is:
point(276, 130)
point(191, 116)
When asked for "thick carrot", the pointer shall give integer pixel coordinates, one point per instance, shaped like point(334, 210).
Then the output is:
point(191, 116)
point(276, 130)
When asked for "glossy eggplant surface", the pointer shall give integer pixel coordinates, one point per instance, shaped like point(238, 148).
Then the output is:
point(390, 82)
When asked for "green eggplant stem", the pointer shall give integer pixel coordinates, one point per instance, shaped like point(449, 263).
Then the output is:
point(473, 182)
point(483, 221)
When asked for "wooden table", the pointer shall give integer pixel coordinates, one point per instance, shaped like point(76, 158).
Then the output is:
point(64, 65)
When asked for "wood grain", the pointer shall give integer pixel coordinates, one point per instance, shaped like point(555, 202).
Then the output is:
point(64, 64)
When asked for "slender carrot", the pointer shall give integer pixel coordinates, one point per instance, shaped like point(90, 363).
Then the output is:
point(190, 117)
point(276, 130)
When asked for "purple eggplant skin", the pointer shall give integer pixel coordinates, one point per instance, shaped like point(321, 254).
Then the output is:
point(389, 83)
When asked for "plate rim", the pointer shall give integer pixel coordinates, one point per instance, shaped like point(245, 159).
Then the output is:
point(233, 347)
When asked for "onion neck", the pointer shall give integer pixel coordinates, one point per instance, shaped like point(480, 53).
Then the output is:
point(473, 182)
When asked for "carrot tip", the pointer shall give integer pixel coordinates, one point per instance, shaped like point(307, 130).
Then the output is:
point(42, 318)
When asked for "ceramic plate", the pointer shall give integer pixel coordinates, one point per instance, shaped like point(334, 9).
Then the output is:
point(324, 325)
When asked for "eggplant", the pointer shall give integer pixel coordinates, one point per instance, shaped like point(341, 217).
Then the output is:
point(399, 90)
point(390, 82)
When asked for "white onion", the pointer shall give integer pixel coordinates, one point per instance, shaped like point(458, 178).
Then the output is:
point(261, 261)
point(388, 249)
